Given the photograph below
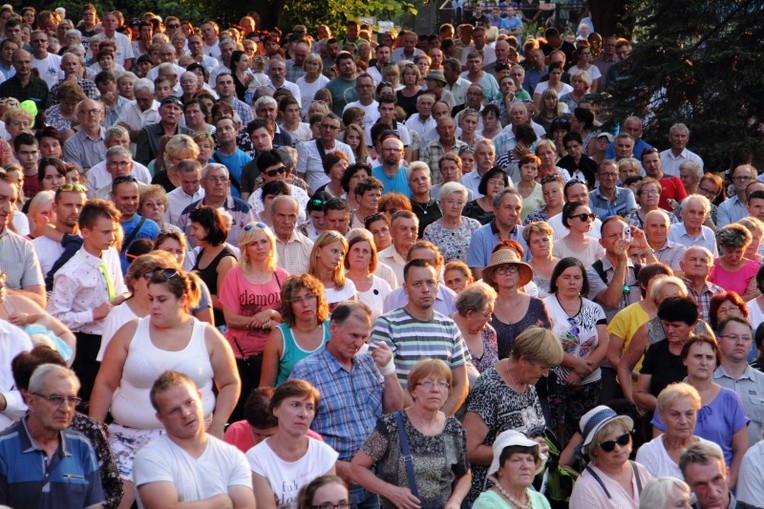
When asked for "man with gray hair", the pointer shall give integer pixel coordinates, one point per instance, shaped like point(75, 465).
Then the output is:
point(673, 157)
point(142, 111)
point(98, 176)
point(277, 73)
point(266, 108)
point(695, 267)
point(293, 248)
point(119, 163)
point(42, 462)
point(703, 468)
point(188, 192)
point(656, 243)
point(73, 67)
point(692, 231)
point(216, 182)
point(86, 148)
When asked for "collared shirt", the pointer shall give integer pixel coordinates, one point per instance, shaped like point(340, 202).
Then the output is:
point(703, 297)
point(13, 341)
point(412, 340)
point(415, 123)
point(294, 72)
point(390, 257)
point(19, 261)
point(706, 238)
point(243, 109)
point(112, 113)
point(750, 388)
point(98, 176)
point(670, 163)
point(485, 239)
point(236, 208)
point(178, 201)
point(471, 181)
point(292, 87)
point(434, 152)
point(79, 287)
point(124, 48)
point(87, 85)
point(623, 204)
point(445, 300)
point(459, 90)
point(150, 140)
point(255, 201)
point(398, 54)
point(730, 210)
point(84, 151)
point(671, 253)
point(310, 164)
point(351, 401)
point(750, 488)
point(36, 90)
point(29, 478)
point(294, 253)
point(135, 119)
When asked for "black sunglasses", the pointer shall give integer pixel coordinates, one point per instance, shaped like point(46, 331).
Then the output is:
point(276, 171)
point(609, 445)
point(584, 217)
point(122, 179)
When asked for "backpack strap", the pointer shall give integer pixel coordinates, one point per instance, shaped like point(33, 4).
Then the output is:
point(599, 268)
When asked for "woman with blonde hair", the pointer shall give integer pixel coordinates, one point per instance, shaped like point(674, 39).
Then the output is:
point(153, 205)
point(251, 297)
point(313, 81)
point(539, 237)
point(304, 330)
point(179, 147)
point(40, 213)
point(326, 264)
point(407, 96)
point(474, 307)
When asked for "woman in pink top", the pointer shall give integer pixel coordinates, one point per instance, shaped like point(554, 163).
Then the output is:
point(732, 270)
point(251, 297)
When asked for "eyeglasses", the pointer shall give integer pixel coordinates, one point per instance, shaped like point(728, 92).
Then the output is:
point(262, 226)
point(119, 164)
point(507, 269)
point(650, 193)
point(583, 217)
point(165, 273)
point(173, 26)
point(609, 445)
point(316, 202)
point(742, 178)
point(276, 171)
point(73, 187)
point(94, 111)
point(330, 127)
point(735, 338)
point(341, 504)
point(440, 384)
point(305, 299)
point(122, 179)
point(57, 400)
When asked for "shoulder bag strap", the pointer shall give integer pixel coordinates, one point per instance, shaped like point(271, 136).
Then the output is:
point(130, 238)
point(599, 481)
point(233, 180)
point(636, 476)
point(408, 460)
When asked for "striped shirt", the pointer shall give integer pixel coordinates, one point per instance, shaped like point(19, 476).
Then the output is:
point(413, 340)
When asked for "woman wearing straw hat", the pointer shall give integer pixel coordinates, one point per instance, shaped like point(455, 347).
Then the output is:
point(515, 310)
point(516, 461)
point(610, 480)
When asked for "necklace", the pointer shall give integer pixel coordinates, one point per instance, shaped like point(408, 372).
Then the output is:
point(516, 504)
point(422, 207)
point(512, 379)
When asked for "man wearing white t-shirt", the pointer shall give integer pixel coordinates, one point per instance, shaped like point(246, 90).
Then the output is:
point(124, 54)
point(364, 86)
point(187, 464)
point(47, 64)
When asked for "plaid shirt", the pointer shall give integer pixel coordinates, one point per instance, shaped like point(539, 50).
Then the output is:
point(703, 297)
point(87, 85)
point(36, 90)
point(351, 401)
point(432, 155)
point(293, 72)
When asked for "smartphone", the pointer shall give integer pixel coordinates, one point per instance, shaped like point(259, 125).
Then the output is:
point(626, 235)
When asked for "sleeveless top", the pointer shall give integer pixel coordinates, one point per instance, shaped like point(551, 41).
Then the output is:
point(130, 405)
point(209, 275)
point(293, 353)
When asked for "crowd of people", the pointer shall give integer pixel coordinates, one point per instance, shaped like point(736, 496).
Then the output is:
point(247, 268)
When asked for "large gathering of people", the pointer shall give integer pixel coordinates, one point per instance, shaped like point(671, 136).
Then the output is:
point(250, 268)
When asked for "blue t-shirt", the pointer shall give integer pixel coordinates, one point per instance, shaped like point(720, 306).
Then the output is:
point(149, 230)
point(397, 184)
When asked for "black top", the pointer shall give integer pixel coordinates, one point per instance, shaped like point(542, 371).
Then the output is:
point(161, 179)
point(209, 275)
point(408, 103)
point(475, 211)
point(663, 366)
point(241, 88)
point(586, 165)
point(427, 213)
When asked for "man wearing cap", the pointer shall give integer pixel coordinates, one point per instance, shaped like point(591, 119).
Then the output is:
point(436, 83)
point(608, 443)
point(704, 470)
point(150, 139)
point(271, 167)
point(364, 86)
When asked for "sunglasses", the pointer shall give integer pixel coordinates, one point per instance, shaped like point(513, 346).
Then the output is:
point(316, 202)
point(609, 445)
point(255, 225)
point(173, 26)
point(122, 180)
point(165, 273)
point(276, 171)
point(583, 217)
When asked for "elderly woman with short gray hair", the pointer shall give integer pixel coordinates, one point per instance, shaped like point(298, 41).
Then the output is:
point(732, 270)
point(452, 232)
point(690, 173)
point(474, 308)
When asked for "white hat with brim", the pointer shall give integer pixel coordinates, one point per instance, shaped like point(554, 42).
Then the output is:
point(507, 439)
point(593, 421)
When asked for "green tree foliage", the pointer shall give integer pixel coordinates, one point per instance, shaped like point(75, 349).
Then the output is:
point(697, 63)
